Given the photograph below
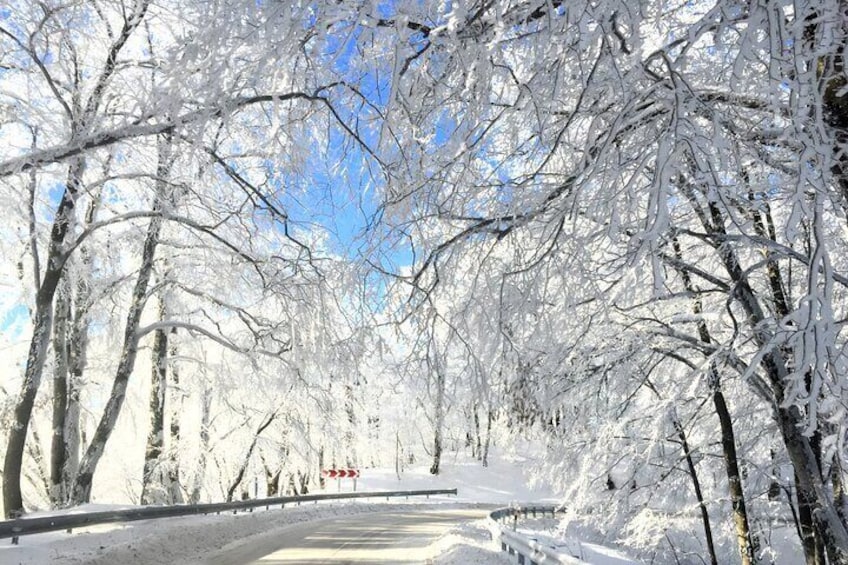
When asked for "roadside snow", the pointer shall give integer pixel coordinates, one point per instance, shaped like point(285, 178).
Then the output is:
point(184, 540)
point(170, 541)
point(469, 544)
point(502, 482)
point(546, 531)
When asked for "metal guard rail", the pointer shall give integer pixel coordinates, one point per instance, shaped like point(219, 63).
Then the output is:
point(528, 548)
point(27, 526)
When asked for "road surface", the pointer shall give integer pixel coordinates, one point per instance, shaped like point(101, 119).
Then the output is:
point(380, 537)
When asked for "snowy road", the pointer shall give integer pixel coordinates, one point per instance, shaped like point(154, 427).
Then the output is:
point(383, 537)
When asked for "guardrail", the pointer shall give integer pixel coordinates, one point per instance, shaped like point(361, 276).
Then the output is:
point(529, 550)
point(27, 526)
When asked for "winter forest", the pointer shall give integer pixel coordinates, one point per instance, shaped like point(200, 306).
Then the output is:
point(257, 238)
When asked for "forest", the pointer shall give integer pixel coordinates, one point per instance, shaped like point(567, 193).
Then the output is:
point(258, 238)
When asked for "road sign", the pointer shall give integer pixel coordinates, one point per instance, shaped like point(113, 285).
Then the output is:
point(340, 473)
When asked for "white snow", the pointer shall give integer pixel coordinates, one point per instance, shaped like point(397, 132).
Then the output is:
point(583, 550)
point(171, 541)
point(184, 540)
point(504, 481)
point(469, 544)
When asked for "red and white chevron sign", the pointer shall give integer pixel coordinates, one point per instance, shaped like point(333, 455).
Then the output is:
point(340, 473)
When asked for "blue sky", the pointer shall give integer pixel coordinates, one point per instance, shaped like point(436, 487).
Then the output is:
point(336, 191)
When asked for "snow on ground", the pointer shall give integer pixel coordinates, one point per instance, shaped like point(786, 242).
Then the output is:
point(546, 531)
point(184, 540)
point(172, 541)
point(502, 482)
point(469, 544)
point(178, 541)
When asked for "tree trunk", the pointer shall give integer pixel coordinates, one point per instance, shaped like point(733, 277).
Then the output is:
point(322, 483)
point(838, 482)
point(151, 482)
point(489, 418)
point(801, 449)
point(746, 542)
point(77, 349)
point(72, 434)
point(77, 346)
point(246, 459)
point(810, 542)
point(745, 539)
point(41, 328)
point(398, 462)
point(790, 419)
point(82, 485)
point(696, 484)
point(174, 488)
point(349, 444)
point(303, 479)
point(810, 484)
point(272, 482)
point(272, 478)
point(811, 538)
point(478, 442)
point(70, 342)
point(200, 472)
point(438, 423)
point(58, 447)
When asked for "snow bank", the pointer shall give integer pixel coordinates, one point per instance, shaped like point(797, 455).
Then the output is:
point(469, 544)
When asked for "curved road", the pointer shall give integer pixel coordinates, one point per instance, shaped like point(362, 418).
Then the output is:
point(380, 537)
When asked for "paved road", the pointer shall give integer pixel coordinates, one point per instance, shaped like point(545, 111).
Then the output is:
point(381, 537)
